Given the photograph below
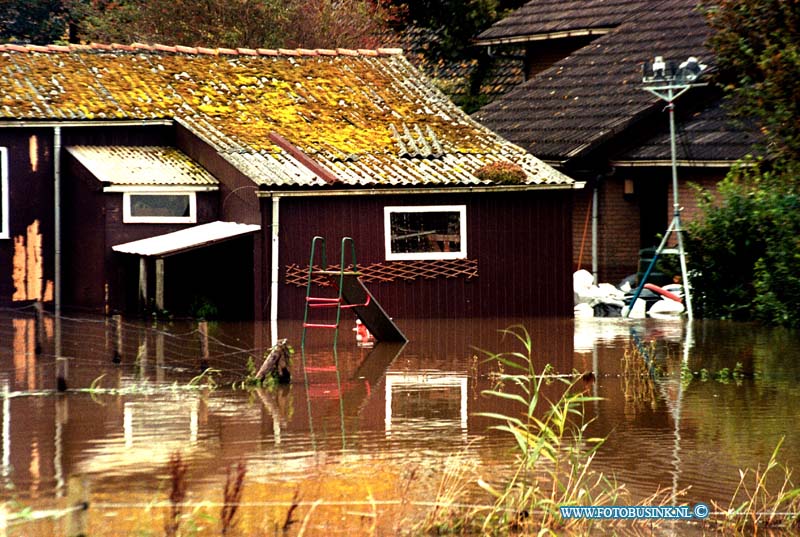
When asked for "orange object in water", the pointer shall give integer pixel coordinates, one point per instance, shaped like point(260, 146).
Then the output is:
point(663, 292)
point(362, 334)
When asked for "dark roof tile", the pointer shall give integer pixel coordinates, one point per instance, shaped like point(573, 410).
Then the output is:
point(596, 91)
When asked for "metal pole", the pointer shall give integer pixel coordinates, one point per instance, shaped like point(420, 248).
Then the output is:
point(595, 213)
point(274, 269)
point(57, 218)
point(676, 209)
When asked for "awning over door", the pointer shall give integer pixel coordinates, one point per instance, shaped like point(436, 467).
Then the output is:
point(177, 242)
point(186, 239)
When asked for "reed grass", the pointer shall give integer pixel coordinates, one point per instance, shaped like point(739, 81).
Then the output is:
point(177, 468)
point(554, 453)
point(448, 514)
point(232, 495)
point(755, 505)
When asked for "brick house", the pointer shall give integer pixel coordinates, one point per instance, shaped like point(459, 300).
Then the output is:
point(582, 108)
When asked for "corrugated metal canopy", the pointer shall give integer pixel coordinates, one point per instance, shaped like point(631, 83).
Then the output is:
point(186, 239)
point(142, 166)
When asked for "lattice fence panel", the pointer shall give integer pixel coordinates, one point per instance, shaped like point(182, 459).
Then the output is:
point(390, 271)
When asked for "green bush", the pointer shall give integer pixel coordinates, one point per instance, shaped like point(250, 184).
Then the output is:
point(745, 251)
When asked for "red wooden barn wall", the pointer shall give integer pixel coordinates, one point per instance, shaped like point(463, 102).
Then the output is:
point(522, 242)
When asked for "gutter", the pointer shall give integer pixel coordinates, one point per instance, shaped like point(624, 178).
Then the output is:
point(87, 123)
point(159, 188)
point(666, 163)
point(542, 37)
point(577, 185)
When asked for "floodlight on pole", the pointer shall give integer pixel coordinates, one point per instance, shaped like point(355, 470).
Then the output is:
point(668, 80)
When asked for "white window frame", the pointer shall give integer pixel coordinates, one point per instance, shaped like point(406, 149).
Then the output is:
point(5, 221)
point(128, 218)
point(387, 228)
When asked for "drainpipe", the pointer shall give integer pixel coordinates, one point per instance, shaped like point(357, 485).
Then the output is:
point(595, 216)
point(57, 217)
point(273, 295)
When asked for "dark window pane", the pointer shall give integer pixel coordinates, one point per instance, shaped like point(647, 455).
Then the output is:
point(165, 205)
point(418, 232)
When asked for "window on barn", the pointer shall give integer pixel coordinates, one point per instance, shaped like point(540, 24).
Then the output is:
point(159, 207)
point(426, 232)
point(5, 231)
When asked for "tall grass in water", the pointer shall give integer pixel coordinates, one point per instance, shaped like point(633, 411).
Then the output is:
point(755, 505)
point(554, 454)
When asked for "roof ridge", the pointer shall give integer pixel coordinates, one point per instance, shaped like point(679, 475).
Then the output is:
point(158, 48)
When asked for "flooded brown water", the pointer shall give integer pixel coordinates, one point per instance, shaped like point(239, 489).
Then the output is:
point(374, 432)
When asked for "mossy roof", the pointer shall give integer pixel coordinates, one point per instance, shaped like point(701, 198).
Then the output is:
point(367, 116)
point(142, 165)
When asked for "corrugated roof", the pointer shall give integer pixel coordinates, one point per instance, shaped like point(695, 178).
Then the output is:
point(186, 239)
point(337, 107)
point(596, 93)
point(138, 165)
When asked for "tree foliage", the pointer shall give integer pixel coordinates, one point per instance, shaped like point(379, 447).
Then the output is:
point(211, 23)
point(33, 21)
point(757, 44)
point(745, 251)
point(456, 22)
point(746, 248)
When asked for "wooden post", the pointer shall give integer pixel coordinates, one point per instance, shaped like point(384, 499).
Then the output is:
point(116, 357)
point(159, 356)
point(141, 355)
point(78, 500)
point(202, 327)
point(143, 283)
point(39, 328)
point(160, 284)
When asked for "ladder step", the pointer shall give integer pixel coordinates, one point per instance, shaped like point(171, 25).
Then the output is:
point(314, 325)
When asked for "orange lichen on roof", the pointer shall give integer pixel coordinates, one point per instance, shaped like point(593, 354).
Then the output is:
point(335, 105)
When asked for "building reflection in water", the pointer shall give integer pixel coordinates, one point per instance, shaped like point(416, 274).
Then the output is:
point(428, 399)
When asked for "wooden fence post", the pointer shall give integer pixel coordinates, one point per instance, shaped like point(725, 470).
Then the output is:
point(78, 500)
point(117, 355)
point(202, 327)
point(39, 328)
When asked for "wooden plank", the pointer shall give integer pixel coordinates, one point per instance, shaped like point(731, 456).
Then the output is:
point(372, 315)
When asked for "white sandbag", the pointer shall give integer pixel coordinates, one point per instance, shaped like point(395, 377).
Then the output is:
point(666, 308)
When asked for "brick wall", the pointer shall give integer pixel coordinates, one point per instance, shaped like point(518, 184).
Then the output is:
point(620, 216)
point(687, 195)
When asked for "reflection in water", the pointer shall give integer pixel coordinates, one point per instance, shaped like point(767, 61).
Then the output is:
point(426, 400)
point(377, 414)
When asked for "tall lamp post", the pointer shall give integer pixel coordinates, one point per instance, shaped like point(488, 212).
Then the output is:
point(668, 81)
